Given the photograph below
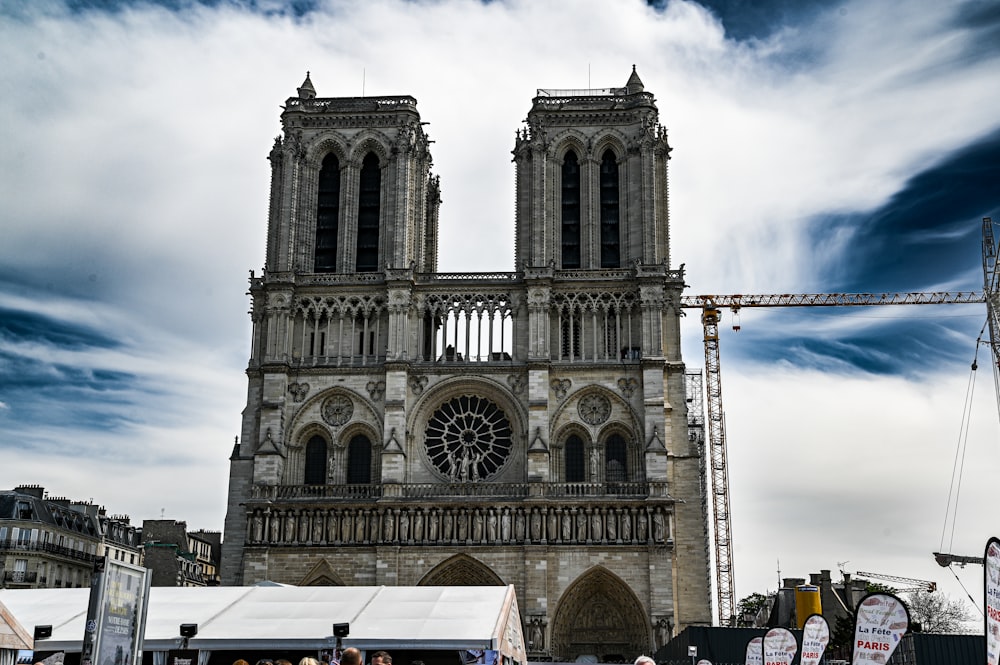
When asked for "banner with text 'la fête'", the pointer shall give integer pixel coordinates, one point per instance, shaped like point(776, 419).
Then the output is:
point(815, 637)
point(991, 563)
point(779, 647)
point(881, 621)
point(755, 652)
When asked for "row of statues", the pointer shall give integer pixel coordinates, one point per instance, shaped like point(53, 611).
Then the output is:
point(481, 525)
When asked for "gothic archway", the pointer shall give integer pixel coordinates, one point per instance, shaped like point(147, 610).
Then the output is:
point(461, 570)
point(599, 615)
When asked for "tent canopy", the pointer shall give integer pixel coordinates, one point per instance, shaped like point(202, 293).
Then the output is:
point(384, 617)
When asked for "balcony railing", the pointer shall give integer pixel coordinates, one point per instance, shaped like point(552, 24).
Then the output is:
point(19, 577)
point(49, 548)
point(635, 490)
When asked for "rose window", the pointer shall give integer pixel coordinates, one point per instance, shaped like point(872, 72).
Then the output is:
point(468, 439)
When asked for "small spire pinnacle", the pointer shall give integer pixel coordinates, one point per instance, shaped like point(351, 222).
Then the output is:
point(634, 84)
point(306, 90)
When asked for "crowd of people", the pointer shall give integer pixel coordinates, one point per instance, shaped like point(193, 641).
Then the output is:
point(349, 656)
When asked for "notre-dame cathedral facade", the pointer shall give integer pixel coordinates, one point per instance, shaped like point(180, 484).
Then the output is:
point(406, 426)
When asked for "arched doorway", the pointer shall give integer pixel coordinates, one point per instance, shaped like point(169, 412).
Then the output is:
point(461, 570)
point(599, 615)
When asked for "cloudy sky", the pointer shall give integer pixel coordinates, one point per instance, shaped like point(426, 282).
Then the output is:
point(818, 147)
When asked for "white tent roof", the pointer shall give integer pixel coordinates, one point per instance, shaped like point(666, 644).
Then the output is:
point(290, 617)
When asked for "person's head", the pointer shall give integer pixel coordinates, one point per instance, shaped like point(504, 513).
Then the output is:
point(381, 658)
point(644, 660)
point(351, 656)
point(308, 660)
point(265, 661)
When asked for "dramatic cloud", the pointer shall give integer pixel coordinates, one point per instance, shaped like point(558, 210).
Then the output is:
point(849, 146)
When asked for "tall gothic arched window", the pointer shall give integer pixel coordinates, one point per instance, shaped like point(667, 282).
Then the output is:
point(570, 211)
point(369, 201)
point(359, 460)
point(575, 467)
point(610, 211)
point(315, 461)
point(327, 215)
point(615, 460)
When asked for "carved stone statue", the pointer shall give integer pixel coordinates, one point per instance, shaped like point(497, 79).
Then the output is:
point(449, 522)
point(659, 527)
point(519, 526)
point(477, 527)
point(491, 526)
point(258, 527)
point(536, 525)
point(404, 526)
point(626, 526)
point(418, 526)
point(505, 525)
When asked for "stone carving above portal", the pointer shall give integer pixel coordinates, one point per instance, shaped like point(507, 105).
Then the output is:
point(298, 391)
point(338, 409)
point(560, 387)
point(376, 389)
point(594, 408)
point(627, 386)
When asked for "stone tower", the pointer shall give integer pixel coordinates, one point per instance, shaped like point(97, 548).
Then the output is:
point(406, 427)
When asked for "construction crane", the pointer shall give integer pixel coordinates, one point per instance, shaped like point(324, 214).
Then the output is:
point(710, 306)
point(915, 585)
point(991, 292)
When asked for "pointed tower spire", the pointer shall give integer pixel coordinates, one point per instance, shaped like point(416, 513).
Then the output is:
point(634, 84)
point(306, 90)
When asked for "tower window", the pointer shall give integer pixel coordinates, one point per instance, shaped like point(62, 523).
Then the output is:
point(574, 460)
point(359, 460)
point(610, 210)
point(327, 215)
point(315, 461)
point(570, 211)
point(368, 214)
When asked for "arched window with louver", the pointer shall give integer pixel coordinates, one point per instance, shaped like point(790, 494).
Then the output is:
point(327, 215)
point(369, 207)
point(610, 211)
point(570, 211)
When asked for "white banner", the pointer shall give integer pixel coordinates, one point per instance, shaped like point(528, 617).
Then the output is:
point(815, 637)
point(991, 562)
point(755, 651)
point(779, 647)
point(880, 623)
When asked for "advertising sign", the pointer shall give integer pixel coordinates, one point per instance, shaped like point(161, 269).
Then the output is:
point(755, 652)
point(779, 647)
point(880, 623)
point(116, 615)
point(991, 562)
point(815, 637)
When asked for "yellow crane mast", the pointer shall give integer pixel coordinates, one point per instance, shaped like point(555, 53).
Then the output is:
point(710, 306)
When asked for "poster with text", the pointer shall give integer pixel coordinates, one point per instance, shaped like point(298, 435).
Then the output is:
point(779, 647)
point(116, 616)
point(880, 623)
point(755, 652)
point(815, 637)
point(991, 562)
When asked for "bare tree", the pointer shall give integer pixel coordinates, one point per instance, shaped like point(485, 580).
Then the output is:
point(937, 613)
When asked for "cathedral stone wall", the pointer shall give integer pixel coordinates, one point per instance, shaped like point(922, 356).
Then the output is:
point(405, 426)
